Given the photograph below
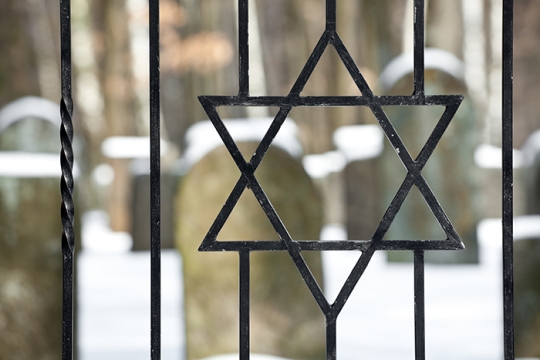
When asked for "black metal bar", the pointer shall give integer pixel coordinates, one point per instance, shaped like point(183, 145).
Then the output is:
point(269, 137)
point(351, 66)
point(225, 135)
point(419, 47)
point(331, 15)
point(67, 182)
point(419, 311)
point(224, 214)
point(435, 136)
point(369, 246)
point(331, 339)
point(299, 101)
point(318, 245)
point(310, 64)
point(244, 304)
point(292, 246)
point(243, 48)
point(394, 207)
point(352, 280)
point(155, 235)
point(438, 212)
point(507, 179)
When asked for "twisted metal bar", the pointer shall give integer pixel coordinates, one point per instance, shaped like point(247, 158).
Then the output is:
point(66, 182)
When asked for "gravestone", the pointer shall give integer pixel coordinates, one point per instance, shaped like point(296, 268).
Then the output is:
point(527, 297)
point(30, 228)
point(450, 171)
point(285, 319)
point(527, 260)
point(361, 145)
point(130, 157)
point(140, 206)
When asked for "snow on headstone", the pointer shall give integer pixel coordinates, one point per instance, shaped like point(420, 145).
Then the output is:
point(202, 137)
point(361, 146)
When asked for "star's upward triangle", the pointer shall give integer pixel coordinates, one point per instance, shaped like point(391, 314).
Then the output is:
point(330, 37)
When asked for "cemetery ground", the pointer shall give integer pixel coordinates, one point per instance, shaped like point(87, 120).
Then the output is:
point(463, 302)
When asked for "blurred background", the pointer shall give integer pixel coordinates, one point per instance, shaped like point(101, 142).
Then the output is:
point(331, 174)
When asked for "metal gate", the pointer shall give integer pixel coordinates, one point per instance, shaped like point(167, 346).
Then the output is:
point(248, 180)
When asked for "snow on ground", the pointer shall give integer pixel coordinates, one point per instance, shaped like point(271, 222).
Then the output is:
point(463, 303)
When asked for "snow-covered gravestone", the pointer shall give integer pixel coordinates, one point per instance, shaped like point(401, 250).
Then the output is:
point(361, 146)
point(135, 151)
point(30, 230)
point(285, 319)
point(450, 171)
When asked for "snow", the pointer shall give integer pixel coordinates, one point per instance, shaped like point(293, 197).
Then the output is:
point(359, 142)
point(22, 164)
point(114, 296)
point(30, 107)
point(433, 59)
point(321, 165)
point(129, 147)
point(202, 137)
point(490, 157)
point(353, 143)
point(525, 227)
point(531, 148)
point(463, 302)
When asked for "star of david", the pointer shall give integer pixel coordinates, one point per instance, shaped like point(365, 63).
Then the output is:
point(375, 103)
point(414, 168)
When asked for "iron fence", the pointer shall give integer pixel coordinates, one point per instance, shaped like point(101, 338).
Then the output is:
point(248, 180)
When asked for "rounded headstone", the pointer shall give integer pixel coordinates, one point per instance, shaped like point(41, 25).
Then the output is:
point(450, 171)
point(30, 262)
point(285, 319)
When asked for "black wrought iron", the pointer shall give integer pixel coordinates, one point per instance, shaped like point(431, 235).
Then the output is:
point(66, 182)
point(419, 313)
point(507, 179)
point(248, 180)
point(155, 215)
point(414, 176)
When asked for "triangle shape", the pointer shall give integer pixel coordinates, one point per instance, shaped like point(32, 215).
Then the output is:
point(415, 220)
point(348, 81)
point(341, 294)
point(247, 221)
point(414, 125)
point(340, 83)
point(252, 126)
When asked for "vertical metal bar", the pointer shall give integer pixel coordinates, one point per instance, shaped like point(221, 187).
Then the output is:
point(419, 47)
point(155, 237)
point(331, 338)
point(331, 15)
point(66, 181)
point(244, 305)
point(507, 180)
point(243, 47)
point(419, 309)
